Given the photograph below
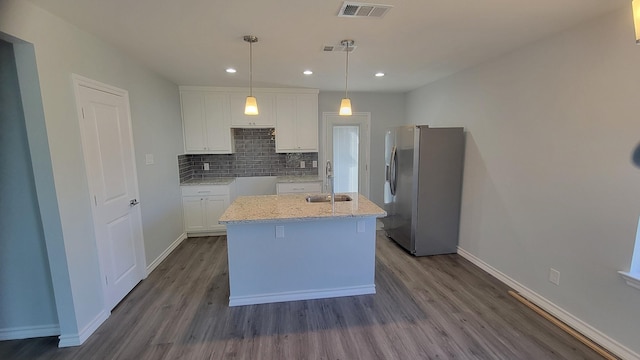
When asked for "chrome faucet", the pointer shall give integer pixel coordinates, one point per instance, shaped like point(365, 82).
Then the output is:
point(329, 172)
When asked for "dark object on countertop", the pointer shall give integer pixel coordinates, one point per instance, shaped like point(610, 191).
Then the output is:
point(636, 156)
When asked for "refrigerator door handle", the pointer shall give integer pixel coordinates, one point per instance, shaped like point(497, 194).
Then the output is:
point(393, 171)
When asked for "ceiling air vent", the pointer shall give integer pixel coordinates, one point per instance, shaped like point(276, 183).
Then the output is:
point(356, 9)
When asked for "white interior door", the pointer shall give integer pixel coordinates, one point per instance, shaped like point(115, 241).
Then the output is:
point(107, 144)
point(346, 144)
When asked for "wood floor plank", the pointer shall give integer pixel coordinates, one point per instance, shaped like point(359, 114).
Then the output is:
point(437, 307)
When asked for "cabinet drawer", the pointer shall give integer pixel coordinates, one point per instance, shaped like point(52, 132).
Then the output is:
point(294, 188)
point(204, 190)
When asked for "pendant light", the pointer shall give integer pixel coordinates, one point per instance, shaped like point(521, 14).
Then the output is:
point(345, 104)
point(251, 105)
point(635, 5)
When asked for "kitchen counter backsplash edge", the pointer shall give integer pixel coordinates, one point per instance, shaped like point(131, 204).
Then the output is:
point(229, 180)
point(210, 181)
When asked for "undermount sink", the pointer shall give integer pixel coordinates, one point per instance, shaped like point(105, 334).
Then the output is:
point(327, 198)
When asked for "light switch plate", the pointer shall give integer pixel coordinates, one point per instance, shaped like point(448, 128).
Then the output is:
point(554, 276)
point(302, 164)
point(148, 159)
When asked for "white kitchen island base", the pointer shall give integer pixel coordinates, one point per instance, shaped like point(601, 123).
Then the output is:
point(301, 259)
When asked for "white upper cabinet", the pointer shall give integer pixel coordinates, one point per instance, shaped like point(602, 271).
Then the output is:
point(265, 117)
point(297, 123)
point(209, 115)
point(206, 123)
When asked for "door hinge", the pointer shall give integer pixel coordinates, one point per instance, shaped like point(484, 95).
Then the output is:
point(106, 281)
point(82, 112)
point(95, 200)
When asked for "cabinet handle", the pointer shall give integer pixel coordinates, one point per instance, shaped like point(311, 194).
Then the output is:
point(204, 192)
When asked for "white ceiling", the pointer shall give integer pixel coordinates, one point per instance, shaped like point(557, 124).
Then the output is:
point(191, 42)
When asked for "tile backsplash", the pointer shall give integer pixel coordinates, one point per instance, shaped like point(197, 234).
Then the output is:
point(255, 156)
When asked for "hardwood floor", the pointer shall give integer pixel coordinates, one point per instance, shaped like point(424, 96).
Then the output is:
point(439, 307)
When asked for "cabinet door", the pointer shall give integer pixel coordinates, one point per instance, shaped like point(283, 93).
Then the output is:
point(307, 122)
point(286, 123)
point(215, 207)
point(265, 117)
point(297, 188)
point(297, 123)
point(193, 208)
point(218, 123)
point(193, 120)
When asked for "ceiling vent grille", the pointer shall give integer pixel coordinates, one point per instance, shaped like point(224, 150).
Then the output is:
point(356, 9)
point(338, 48)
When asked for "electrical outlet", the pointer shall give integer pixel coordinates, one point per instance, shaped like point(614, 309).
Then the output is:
point(206, 166)
point(315, 164)
point(301, 164)
point(554, 276)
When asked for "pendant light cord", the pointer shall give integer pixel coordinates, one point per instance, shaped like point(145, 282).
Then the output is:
point(346, 74)
point(250, 68)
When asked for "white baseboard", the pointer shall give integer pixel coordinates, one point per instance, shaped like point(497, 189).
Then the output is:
point(301, 295)
point(563, 315)
point(28, 332)
point(154, 264)
point(68, 340)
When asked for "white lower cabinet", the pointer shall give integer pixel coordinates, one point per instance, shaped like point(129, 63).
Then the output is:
point(297, 188)
point(203, 205)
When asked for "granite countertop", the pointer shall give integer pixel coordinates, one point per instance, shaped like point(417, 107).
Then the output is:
point(294, 207)
point(211, 181)
point(298, 178)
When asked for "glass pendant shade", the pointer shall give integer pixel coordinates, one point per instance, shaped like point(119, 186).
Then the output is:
point(251, 106)
point(635, 4)
point(345, 107)
point(345, 104)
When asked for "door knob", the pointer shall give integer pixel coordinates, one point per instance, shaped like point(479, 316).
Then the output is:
point(134, 202)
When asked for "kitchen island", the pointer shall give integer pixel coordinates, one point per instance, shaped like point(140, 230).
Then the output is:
point(283, 248)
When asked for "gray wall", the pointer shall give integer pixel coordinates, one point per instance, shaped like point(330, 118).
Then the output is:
point(61, 49)
point(387, 110)
point(548, 180)
point(24, 267)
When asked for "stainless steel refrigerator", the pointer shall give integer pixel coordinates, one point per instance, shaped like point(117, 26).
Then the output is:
point(423, 188)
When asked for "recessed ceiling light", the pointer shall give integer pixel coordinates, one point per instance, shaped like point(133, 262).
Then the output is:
point(231, 70)
point(307, 72)
point(379, 74)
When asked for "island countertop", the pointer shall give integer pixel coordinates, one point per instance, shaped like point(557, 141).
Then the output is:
point(294, 207)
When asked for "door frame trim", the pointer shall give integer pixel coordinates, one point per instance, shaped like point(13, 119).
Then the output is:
point(324, 141)
point(78, 82)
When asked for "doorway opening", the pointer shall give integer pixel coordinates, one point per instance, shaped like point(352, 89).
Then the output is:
point(27, 307)
point(346, 144)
